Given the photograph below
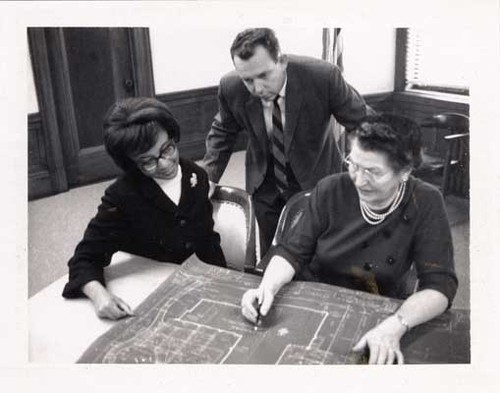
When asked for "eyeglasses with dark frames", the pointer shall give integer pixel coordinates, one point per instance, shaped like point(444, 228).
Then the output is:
point(150, 164)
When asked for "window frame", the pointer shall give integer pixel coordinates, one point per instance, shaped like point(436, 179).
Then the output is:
point(400, 73)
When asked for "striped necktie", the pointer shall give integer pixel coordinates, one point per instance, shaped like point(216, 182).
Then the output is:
point(278, 147)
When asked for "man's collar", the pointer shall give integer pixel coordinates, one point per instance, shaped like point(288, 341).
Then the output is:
point(283, 89)
point(281, 93)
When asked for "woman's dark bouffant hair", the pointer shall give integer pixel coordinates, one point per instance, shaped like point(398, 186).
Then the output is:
point(132, 125)
point(397, 136)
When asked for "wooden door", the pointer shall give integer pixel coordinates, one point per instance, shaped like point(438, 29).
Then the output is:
point(87, 69)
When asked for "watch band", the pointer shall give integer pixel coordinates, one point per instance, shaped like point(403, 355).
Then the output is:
point(402, 321)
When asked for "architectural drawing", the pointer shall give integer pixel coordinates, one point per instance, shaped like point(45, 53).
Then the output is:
point(195, 317)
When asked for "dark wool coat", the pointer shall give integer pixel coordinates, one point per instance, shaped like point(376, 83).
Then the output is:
point(137, 217)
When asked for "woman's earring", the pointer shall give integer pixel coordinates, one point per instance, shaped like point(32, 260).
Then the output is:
point(405, 177)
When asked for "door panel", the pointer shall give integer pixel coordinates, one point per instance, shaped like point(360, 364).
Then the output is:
point(100, 68)
point(87, 70)
point(90, 67)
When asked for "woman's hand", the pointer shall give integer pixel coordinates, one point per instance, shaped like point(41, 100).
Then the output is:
point(112, 307)
point(254, 299)
point(383, 342)
point(106, 304)
point(278, 273)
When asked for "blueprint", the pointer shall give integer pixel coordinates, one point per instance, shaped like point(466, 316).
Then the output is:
point(195, 317)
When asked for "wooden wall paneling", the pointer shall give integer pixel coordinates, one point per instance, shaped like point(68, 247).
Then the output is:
point(195, 110)
point(381, 102)
point(39, 181)
point(423, 105)
point(95, 165)
point(37, 156)
point(420, 106)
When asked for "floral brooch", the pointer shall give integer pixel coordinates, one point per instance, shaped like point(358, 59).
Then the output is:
point(193, 180)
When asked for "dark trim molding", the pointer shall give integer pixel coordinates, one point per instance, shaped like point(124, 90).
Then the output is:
point(195, 110)
point(39, 185)
point(400, 60)
point(379, 101)
point(39, 181)
point(429, 103)
point(63, 100)
point(140, 48)
point(46, 101)
point(201, 93)
point(211, 93)
point(95, 165)
point(37, 157)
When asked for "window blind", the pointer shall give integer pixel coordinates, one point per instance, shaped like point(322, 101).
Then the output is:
point(438, 60)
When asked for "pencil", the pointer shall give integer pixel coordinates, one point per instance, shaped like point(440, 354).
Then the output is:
point(258, 318)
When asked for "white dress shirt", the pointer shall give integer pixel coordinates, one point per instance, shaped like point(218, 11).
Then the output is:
point(172, 187)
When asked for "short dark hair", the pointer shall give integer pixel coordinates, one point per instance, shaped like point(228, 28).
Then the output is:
point(245, 43)
point(132, 126)
point(398, 136)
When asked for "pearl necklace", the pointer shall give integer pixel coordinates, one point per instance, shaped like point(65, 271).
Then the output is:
point(373, 218)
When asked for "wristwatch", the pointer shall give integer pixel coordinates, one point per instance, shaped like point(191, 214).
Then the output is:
point(402, 321)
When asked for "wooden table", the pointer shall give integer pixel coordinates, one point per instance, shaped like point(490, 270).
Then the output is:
point(60, 330)
point(194, 316)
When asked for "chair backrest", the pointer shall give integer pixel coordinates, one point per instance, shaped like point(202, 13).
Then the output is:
point(436, 127)
point(234, 220)
point(455, 122)
point(291, 214)
point(456, 171)
point(289, 217)
point(453, 147)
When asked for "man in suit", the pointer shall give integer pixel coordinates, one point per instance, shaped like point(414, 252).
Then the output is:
point(285, 104)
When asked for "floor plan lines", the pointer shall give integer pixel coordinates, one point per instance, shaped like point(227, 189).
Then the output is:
point(195, 317)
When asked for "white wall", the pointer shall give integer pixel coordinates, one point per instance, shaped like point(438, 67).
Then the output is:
point(188, 58)
point(369, 59)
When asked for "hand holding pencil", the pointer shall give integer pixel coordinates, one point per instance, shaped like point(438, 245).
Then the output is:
point(256, 303)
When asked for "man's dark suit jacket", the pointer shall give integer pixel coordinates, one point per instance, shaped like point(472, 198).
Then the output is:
point(137, 217)
point(315, 91)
